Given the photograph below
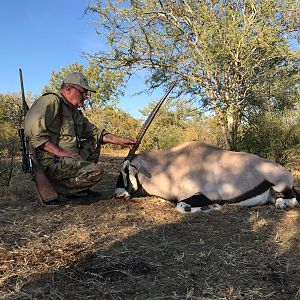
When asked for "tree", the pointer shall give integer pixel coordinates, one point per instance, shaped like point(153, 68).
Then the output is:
point(113, 120)
point(273, 135)
point(176, 122)
point(10, 109)
point(223, 52)
point(107, 84)
point(10, 121)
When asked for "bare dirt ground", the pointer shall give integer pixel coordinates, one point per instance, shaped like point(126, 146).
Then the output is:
point(143, 248)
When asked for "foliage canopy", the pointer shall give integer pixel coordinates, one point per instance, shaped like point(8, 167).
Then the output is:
point(107, 84)
point(230, 55)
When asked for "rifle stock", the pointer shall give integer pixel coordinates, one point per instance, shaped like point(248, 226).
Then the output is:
point(30, 162)
point(44, 187)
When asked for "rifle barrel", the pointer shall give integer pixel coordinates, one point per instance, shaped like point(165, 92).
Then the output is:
point(25, 107)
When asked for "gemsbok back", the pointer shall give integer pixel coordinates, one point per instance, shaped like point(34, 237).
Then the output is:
point(202, 177)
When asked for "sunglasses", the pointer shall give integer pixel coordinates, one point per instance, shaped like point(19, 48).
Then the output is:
point(82, 92)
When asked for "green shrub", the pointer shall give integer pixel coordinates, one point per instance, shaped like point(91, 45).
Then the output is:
point(273, 136)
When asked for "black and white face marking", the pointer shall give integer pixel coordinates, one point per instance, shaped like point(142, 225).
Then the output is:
point(127, 182)
point(129, 173)
point(125, 173)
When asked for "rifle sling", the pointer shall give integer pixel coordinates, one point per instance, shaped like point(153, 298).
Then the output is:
point(60, 121)
point(60, 116)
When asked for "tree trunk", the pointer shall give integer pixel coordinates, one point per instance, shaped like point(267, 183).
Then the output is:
point(229, 123)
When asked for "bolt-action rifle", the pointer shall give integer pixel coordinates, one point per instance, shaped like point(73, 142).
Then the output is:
point(30, 162)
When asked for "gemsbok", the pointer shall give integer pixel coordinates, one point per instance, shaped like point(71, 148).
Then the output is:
point(202, 177)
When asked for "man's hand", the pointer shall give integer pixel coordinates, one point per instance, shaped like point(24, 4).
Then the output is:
point(118, 140)
point(128, 142)
point(50, 147)
point(69, 154)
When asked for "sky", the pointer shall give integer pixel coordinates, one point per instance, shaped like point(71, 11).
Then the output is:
point(41, 36)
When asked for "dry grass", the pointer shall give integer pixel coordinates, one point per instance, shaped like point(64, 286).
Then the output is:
point(143, 249)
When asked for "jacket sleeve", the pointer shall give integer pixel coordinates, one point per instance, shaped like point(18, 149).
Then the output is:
point(40, 115)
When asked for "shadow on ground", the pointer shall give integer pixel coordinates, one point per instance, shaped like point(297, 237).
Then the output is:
point(144, 249)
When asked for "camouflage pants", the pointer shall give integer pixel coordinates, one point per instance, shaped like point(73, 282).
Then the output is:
point(70, 176)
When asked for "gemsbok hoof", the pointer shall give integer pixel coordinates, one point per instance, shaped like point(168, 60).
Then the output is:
point(183, 208)
point(286, 203)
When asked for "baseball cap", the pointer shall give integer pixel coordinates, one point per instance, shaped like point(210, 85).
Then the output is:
point(78, 79)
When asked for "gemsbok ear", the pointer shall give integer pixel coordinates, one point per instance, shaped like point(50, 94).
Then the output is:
point(145, 172)
point(142, 170)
